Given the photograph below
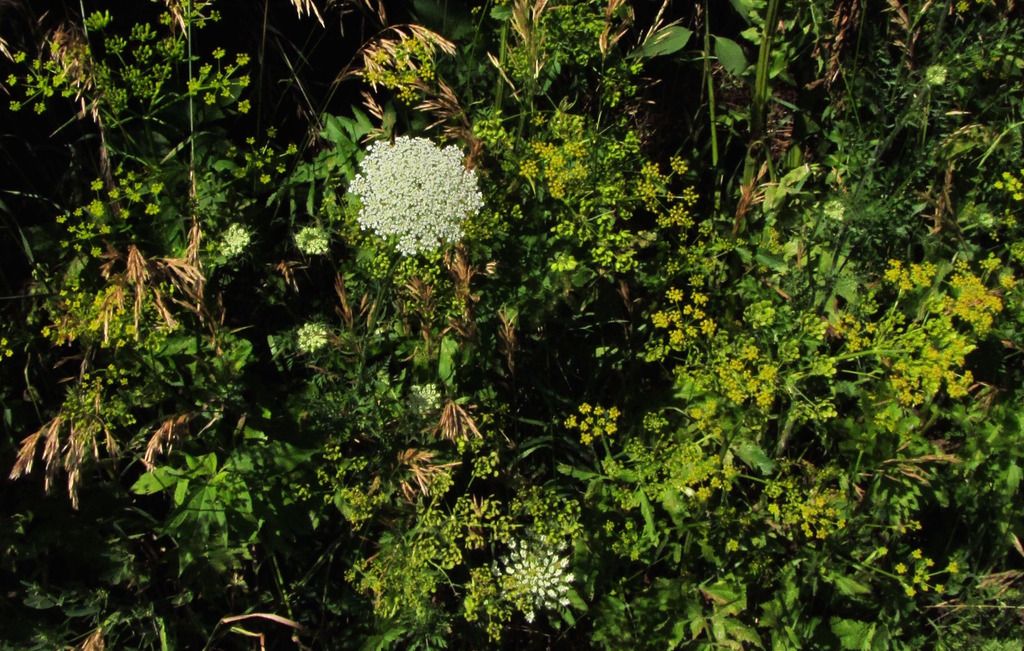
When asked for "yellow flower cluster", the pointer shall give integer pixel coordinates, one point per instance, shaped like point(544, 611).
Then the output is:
point(974, 303)
point(651, 188)
point(921, 577)
point(929, 351)
point(1012, 185)
point(685, 321)
point(939, 352)
point(403, 67)
point(816, 512)
point(917, 276)
point(564, 166)
point(593, 421)
point(740, 372)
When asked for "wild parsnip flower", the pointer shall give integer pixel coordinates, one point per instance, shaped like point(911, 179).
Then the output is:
point(234, 241)
point(312, 337)
point(534, 577)
point(313, 240)
point(415, 191)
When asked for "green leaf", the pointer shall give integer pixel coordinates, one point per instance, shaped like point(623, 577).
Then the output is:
point(752, 455)
point(501, 13)
point(740, 632)
point(730, 55)
point(667, 40)
point(648, 513)
point(1013, 477)
point(848, 586)
point(743, 8)
point(446, 361)
point(721, 593)
point(154, 481)
point(853, 635)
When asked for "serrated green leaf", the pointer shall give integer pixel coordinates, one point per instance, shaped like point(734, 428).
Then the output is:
point(751, 454)
point(854, 635)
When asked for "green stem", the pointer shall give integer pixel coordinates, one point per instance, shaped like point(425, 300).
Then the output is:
point(711, 86)
point(760, 98)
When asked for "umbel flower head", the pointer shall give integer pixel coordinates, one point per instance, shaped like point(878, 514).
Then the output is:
point(313, 240)
point(234, 241)
point(534, 576)
point(415, 191)
point(312, 336)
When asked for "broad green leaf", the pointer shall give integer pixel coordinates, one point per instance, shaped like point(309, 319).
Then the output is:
point(730, 55)
point(854, 635)
point(154, 481)
point(446, 361)
point(667, 40)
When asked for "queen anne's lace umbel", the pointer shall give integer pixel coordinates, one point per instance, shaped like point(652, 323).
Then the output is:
point(415, 191)
point(535, 577)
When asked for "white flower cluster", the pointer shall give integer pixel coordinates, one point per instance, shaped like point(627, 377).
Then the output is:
point(313, 240)
point(935, 75)
point(534, 577)
point(416, 191)
point(835, 210)
point(312, 337)
point(424, 399)
point(234, 241)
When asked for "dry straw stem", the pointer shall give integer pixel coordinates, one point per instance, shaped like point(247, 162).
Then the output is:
point(388, 42)
point(462, 272)
point(303, 7)
point(440, 100)
point(913, 467)
point(613, 33)
point(424, 471)
point(526, 17)
point(94, 642)
point(446, 109)
point(344, 309)
point(81, 440)
point(456, 423)
point(507, 338)
point(164, 437)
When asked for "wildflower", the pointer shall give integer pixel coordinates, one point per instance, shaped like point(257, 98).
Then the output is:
point(312, 337)
point(416, 191)
point(935, 75)
point(424, 399)
point(234, 241)
point(313, 240)
point(835, 210)
point(534, 577)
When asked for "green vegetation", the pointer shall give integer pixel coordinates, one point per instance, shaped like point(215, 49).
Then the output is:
point(512, 324)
